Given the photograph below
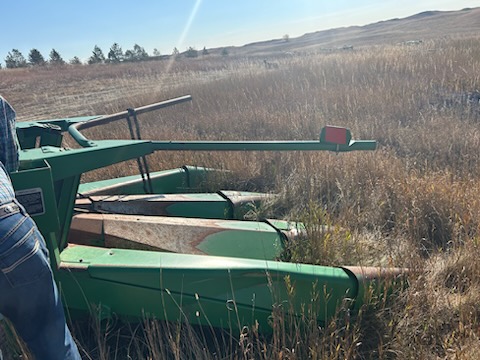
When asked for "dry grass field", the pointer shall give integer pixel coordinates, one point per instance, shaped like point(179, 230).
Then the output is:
point(412, 203)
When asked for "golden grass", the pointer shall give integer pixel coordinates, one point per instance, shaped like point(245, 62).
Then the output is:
point(413, 203)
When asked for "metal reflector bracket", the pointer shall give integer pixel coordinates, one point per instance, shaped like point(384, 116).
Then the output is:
point(335, 135)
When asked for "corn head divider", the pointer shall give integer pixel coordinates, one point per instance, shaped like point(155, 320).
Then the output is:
point(151, 244)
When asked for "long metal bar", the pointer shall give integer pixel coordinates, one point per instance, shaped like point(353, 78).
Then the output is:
point(121, 115)
point(263, 145)
point(74, 129)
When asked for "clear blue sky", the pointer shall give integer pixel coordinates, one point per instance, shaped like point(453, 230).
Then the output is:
point(74, 27)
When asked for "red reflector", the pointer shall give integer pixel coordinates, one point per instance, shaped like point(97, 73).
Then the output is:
point(336, 135)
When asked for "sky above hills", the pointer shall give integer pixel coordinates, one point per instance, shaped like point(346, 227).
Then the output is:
point(74, 27)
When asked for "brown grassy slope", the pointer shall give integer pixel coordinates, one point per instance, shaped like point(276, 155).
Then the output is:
point(424, 26)
point(67, 91)
point(36, 95)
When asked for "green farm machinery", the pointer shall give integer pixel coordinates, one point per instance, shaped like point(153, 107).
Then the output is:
point(152, 245)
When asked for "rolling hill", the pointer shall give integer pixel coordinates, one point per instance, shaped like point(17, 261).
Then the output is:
point(423, 26)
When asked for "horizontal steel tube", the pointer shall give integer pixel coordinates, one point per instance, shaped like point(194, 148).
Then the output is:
point(262, 145)
point(74, 130)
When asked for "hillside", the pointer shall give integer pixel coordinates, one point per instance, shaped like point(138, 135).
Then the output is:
point(423, 26)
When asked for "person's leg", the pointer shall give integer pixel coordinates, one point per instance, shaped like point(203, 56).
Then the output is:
point(29, 295)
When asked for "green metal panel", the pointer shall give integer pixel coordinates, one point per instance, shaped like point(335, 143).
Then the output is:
point(219, 289)
point(44, 211)
point(185, 179)
point(207, 206)
point(253, 240)
point(71, 162)
point(198, 176)
point(38, 197)
point(116, 197)
point(166, 181)
point(66, 192)
point(45, 133)
point(286, 225)
point(219, 237)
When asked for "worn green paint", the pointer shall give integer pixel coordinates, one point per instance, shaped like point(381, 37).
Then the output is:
point(108, 196)
point(215, 288)
point(261, 241)
point(163, 181)
point(222, 291)
point(172, 181)
point(39, 179)
point(213, 208)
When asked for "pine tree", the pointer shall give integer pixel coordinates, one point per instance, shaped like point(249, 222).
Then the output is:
point(35, 58)
point(176, 53)
point(97, 56)
point(55, 58)
point(191, 53)
point(115, 55)
point(140, 53)
point(15, 59)
point(75, 61)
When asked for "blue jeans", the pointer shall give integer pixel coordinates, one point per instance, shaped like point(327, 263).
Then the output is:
point(28, 294)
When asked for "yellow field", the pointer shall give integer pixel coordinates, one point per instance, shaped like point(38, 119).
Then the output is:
point(412, 203)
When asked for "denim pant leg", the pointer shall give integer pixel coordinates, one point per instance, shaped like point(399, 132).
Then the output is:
point(29, 296)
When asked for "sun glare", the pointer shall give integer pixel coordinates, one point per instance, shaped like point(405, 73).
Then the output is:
point(185, 31)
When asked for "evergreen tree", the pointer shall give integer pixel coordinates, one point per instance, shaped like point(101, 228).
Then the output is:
point(75, 61)
point(129, 55)
point(55, 58)
point(156, 52)
point(138, 53)
point(204, 51)
point(97, 56)
point(175, 52)
point(191, 53)
point(115, 55)
point(15, 59)
point(224, 52)
point(35, 58)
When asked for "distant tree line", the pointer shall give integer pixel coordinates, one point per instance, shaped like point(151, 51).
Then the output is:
point(115, 55)
point(15, 59)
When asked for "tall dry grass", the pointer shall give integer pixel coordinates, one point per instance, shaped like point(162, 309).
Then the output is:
point(412, 203)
